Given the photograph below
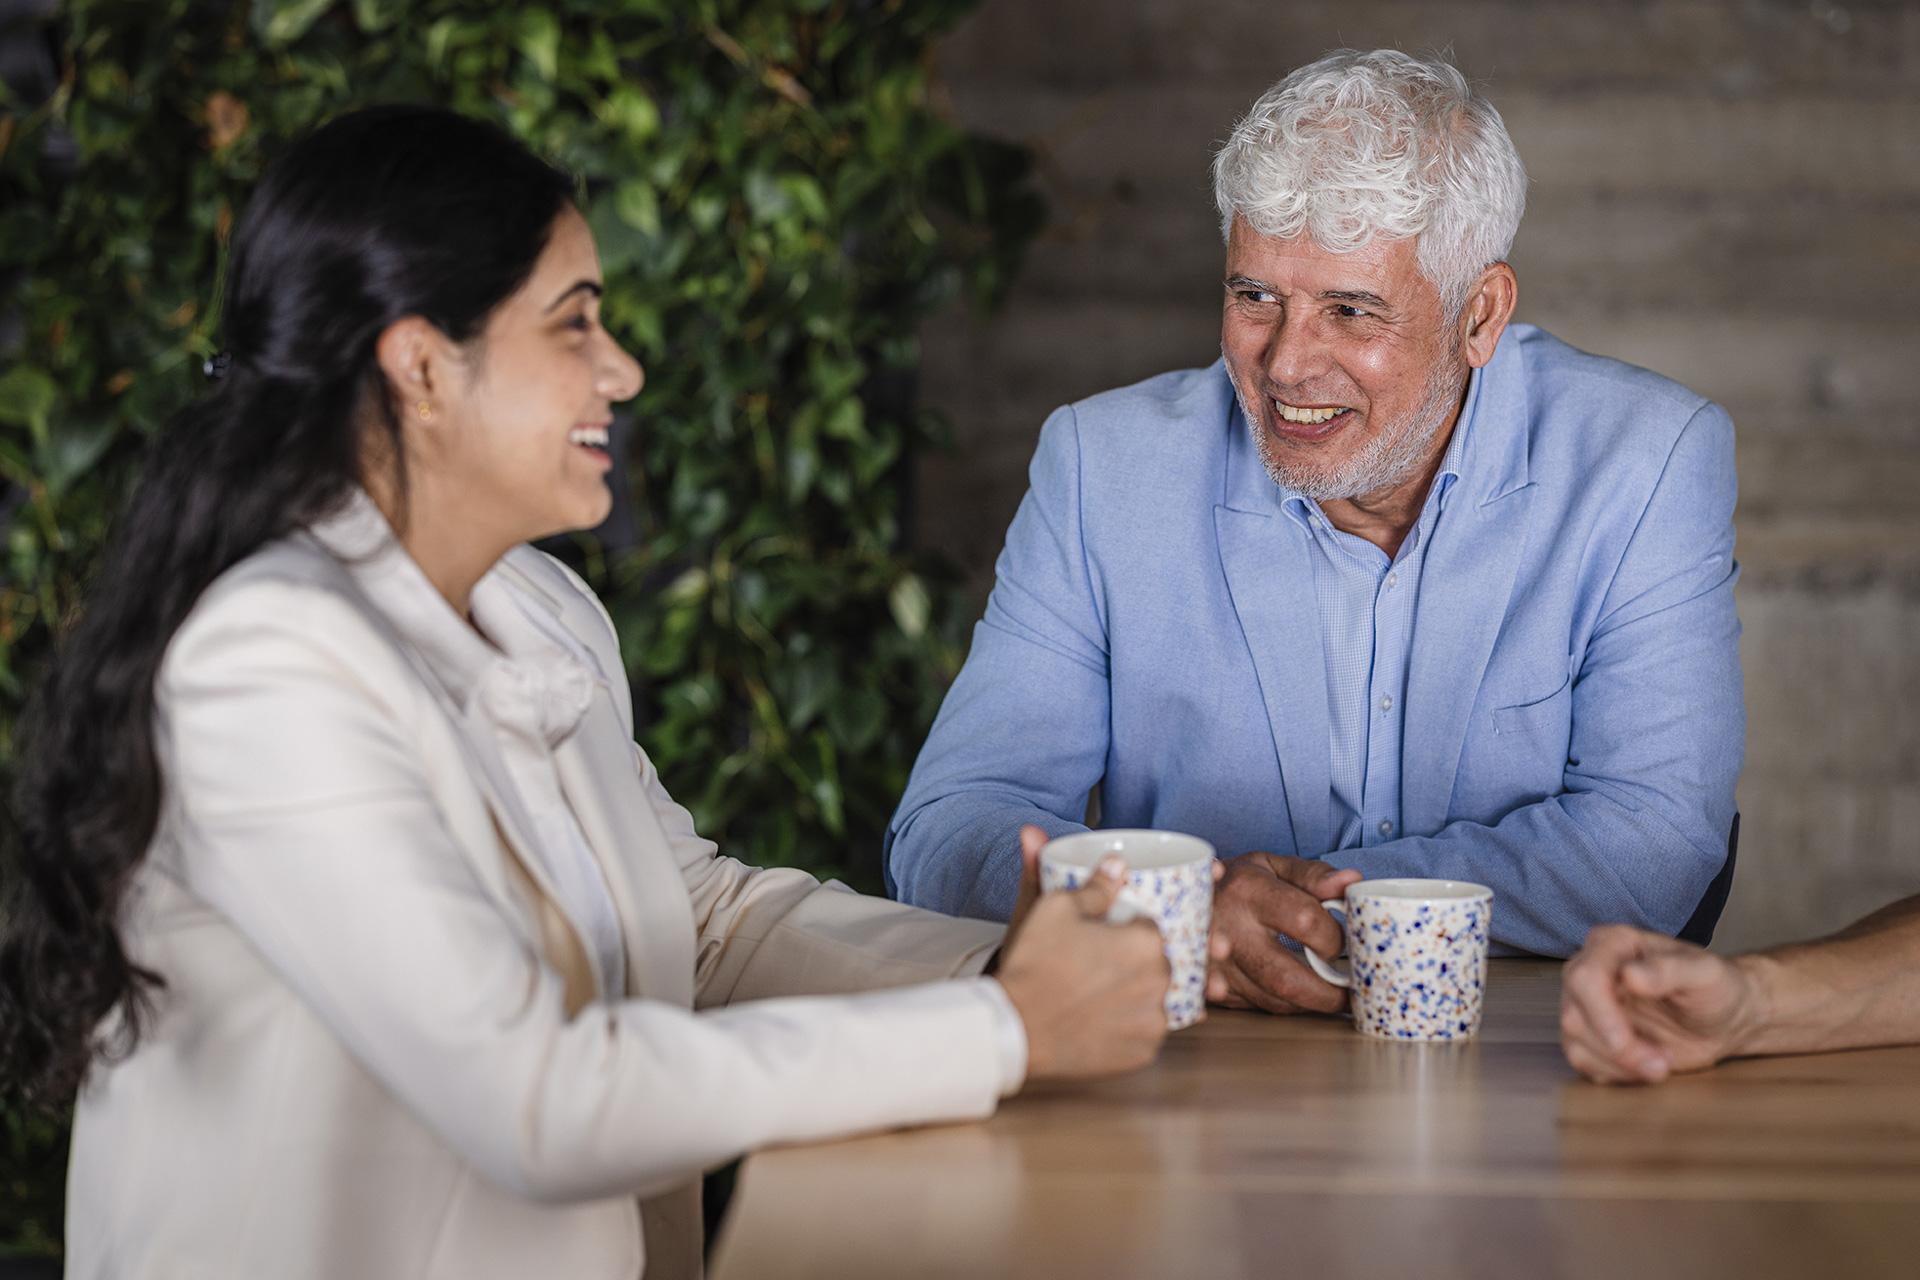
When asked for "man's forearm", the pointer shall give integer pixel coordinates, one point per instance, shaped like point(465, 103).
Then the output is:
point(1859, 987)
point(961, 854)
point(1557, 868)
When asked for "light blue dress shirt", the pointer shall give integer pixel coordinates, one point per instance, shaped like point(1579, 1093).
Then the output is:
point(1366, 603)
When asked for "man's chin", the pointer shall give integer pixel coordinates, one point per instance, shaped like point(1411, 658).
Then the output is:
point(1304, 467)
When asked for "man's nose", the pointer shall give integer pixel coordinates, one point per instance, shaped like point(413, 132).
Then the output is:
point(1296, 352)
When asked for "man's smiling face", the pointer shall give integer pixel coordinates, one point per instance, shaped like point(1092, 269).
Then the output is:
point(1345, 363)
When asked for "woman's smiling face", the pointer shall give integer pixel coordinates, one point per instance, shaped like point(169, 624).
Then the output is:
point(524, 441)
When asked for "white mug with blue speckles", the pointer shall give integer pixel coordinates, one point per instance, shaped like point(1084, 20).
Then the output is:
point(1419, 957)
point(1169, 881)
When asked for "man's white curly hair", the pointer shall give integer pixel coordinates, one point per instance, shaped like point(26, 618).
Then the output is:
point(1358, 145)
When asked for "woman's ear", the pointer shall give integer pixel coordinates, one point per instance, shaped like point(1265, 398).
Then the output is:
point(410, 352)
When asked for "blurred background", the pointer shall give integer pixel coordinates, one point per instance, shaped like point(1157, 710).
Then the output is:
point(1726, 191)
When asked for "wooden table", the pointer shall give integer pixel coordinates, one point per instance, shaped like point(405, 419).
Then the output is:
point(1262, 1146)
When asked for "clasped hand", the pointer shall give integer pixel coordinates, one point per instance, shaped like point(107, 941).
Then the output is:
point(1258, 896)
point(1638, 1006)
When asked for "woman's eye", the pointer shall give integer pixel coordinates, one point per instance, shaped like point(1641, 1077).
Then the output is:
point(581, 323)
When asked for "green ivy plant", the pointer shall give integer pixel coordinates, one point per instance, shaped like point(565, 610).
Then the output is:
point(777, 204)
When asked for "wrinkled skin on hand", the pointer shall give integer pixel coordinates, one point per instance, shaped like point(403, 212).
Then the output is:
point(1260, 895)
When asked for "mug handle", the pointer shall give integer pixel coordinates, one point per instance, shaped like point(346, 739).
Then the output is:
point(1322, 967)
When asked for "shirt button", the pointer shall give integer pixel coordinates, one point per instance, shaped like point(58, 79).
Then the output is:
point(1386, 702)
point(1393, 580)
point(1386, 828)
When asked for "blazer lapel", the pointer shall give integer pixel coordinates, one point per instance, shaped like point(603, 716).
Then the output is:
point(306, 557)
point(602, 785)
point(1270, 580)
point(1464, 590)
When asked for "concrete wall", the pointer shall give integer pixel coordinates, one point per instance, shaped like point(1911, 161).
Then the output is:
point(1727, 192)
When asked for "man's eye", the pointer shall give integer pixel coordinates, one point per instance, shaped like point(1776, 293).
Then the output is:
point(1256, 295)
point(1346, 312)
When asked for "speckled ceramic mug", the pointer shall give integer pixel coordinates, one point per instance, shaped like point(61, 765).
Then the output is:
point(1169, 881)
point(1418, 953)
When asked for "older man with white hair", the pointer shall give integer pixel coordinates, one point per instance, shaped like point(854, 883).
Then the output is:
point(1395, 588)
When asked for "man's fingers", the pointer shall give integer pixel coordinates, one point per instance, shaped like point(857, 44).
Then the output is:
point(1334, 884)
point(1590, 982)
point(1637, 1061)
point(1656, 977)
point(1245, 993)
point(1273, 978)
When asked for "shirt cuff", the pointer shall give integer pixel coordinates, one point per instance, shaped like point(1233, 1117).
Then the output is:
point(1009, 1034)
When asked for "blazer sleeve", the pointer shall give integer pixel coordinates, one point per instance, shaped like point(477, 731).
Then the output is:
point(778, 931)
point(766, 932)
point(301, 807)
point(1022, 736)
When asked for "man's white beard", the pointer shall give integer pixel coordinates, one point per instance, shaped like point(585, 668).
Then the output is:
point(1390, 458)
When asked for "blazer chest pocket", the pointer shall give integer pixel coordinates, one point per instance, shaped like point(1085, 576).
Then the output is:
point(1540, 715)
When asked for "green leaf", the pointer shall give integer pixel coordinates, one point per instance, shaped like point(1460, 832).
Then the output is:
point(280, 22)
point(374, 16)
point(539, 41)
point(26, 398)
point(911, 605)
point(70, 451)
point(637, 206)
point(632, 112)
point(847, 421)
point(767, 198)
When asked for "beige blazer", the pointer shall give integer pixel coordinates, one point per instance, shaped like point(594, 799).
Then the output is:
point(366, 1062)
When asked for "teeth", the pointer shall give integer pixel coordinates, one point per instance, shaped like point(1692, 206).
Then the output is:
point(593, 437)
point(1306, 417)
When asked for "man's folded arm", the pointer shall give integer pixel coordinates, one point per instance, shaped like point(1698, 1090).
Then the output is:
point(1659, 731)
point(1022, 736)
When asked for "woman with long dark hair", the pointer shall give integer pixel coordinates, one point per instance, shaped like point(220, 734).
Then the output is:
point(370, 942)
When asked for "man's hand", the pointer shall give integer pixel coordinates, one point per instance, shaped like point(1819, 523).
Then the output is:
point(1638, 1006)
point(1260, 895)
point(1092, 995)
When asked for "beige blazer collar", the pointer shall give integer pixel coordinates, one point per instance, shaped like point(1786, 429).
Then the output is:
point(595, 763)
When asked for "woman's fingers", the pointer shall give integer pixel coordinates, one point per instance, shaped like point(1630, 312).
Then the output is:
point(1032, 840)
point(1096, 897)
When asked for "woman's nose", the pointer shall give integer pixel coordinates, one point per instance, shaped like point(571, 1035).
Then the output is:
point(621, 375)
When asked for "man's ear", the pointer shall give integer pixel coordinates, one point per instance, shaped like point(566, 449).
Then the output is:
point(1489, 308)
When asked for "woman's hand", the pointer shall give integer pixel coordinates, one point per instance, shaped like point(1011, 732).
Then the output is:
point(1092, 995)
point(1638, 1006)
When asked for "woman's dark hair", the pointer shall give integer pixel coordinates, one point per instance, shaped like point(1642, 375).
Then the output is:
point(382, 214)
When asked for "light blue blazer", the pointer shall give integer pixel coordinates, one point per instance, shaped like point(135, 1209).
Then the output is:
point(1574, 724)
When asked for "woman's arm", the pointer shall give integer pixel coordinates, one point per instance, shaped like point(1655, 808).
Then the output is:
point(1637, 1006)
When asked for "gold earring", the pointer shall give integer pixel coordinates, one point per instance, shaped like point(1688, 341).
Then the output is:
point(426, 411)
